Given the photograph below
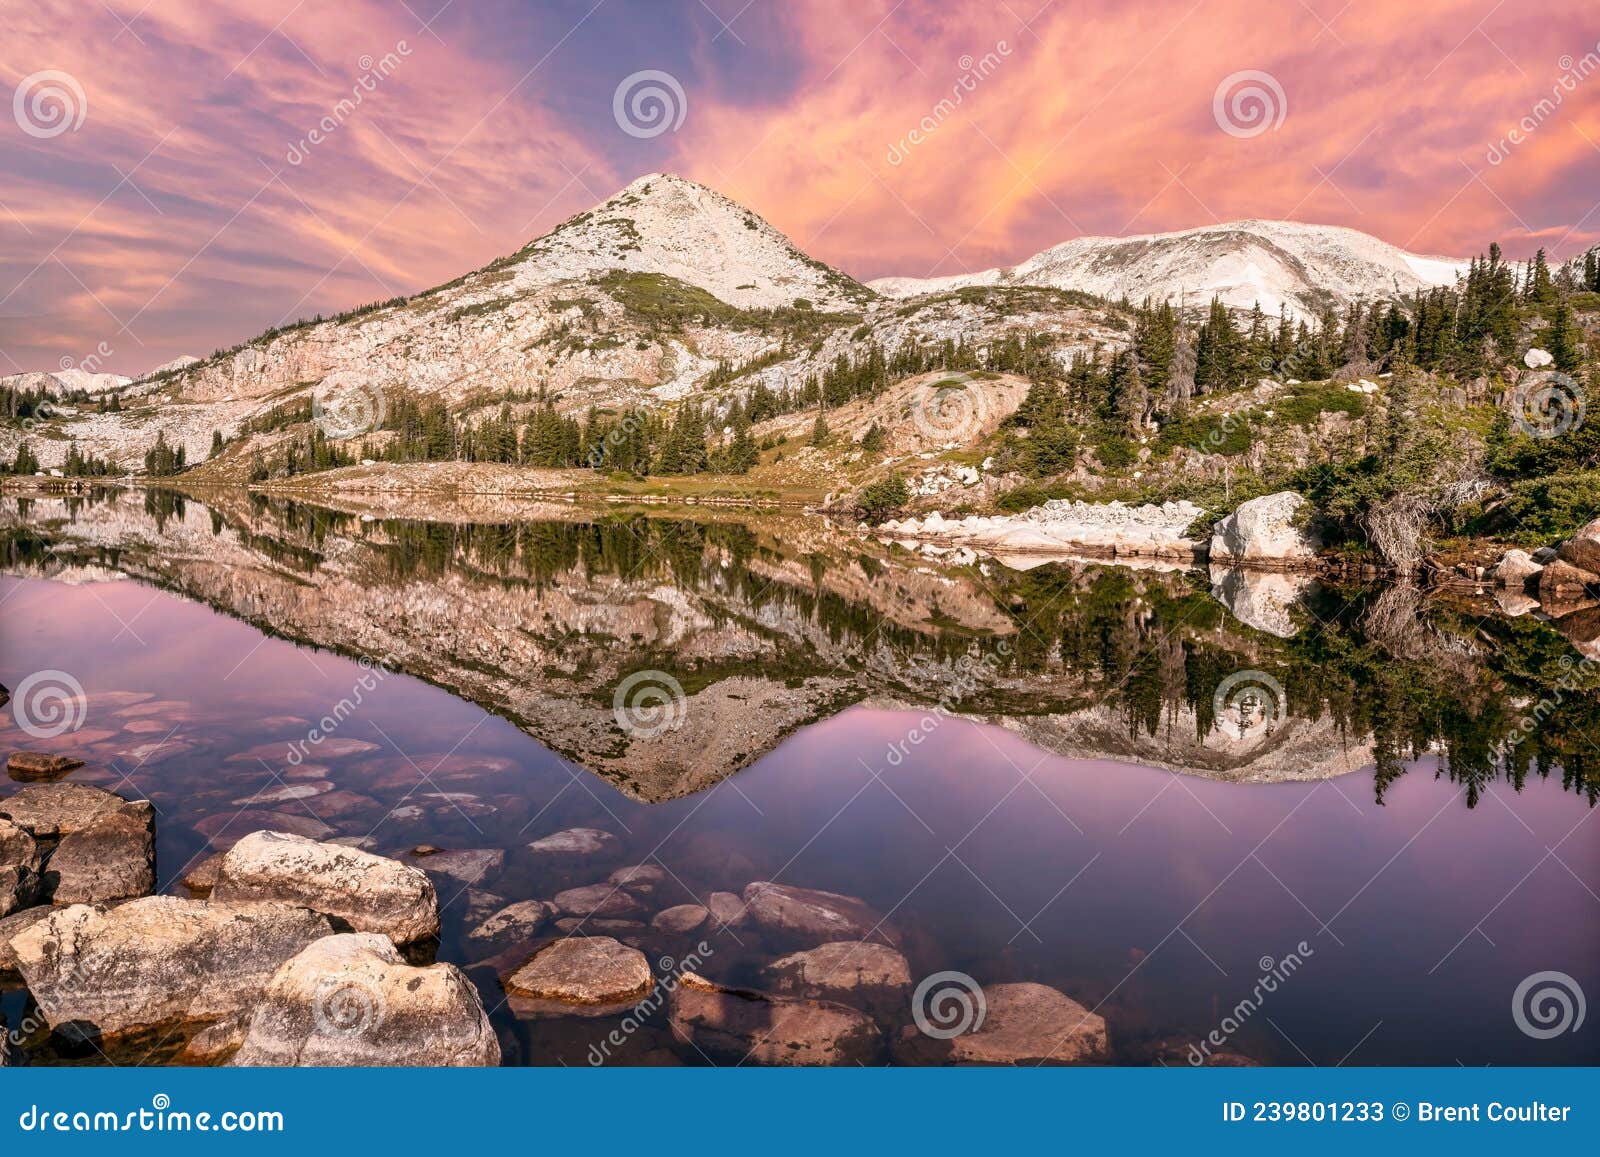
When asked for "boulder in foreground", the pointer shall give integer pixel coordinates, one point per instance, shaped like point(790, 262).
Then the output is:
point(51, 811)
point(113, 857)
point(352, 1000)
point(157, 962)
point(1582, 550)
point(365, 892)
point(20, 863)
point(10, 926)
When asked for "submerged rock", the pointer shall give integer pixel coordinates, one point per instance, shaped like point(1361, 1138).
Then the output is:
point(286, 793)
point(580, 976)
point(480, 905)
point(597, 900)
point(726, 909)
point(642, 879)
point(740, 1025)
point(157, 961)
point(1020, 1024)
point(844, 970)
point(467, 866)
point(514, 922)
point(680, 919)
point(1265, 531)
point(227, 828)
point(810, 914)
point(575, 844)
point(351, 999)
point(39, 765)
point(365, 892)
point(112, 858)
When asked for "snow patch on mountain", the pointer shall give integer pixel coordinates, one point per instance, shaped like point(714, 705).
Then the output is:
point(1276, 264)
point(57, 383)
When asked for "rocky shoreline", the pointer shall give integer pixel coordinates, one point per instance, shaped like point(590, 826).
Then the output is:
point(1268, 533)
point(290, 950)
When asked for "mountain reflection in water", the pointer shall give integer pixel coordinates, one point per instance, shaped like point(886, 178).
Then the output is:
point(770, 624)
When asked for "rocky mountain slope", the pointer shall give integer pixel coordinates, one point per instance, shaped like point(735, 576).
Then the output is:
point(634, 303)
point(668, 291)
point(1276, 264)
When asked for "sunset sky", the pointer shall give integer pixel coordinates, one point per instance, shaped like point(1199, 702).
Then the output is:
point(189, 209)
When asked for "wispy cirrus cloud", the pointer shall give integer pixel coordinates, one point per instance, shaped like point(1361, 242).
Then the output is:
point(1100, 120)
point(192, 207)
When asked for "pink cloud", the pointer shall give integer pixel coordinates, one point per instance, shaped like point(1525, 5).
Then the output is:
point(192, 208)
point(345, 156)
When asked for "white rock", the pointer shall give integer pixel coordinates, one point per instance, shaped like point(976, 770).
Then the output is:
point(352, 1000)
point(368, 893)
point(157, 961)
point(1263, 531)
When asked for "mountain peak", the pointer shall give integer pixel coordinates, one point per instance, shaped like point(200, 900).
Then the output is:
point(666, 224)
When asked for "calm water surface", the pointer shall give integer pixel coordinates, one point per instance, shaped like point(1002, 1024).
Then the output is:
point(1153, 897)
